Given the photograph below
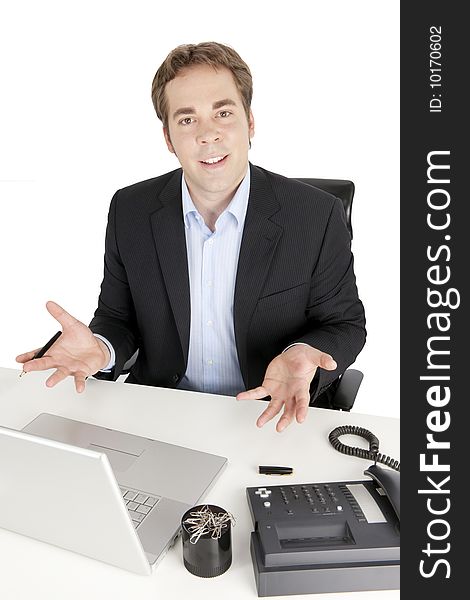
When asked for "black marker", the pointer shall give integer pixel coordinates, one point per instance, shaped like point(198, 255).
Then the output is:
point(40, 353)
point(44, 349)
point(271, 470)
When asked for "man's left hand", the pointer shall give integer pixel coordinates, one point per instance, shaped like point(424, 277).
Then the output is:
point(287, 381)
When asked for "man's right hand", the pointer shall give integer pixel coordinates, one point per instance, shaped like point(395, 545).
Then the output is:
point(77, 352)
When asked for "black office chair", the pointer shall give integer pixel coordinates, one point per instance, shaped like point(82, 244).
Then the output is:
point(342, 393)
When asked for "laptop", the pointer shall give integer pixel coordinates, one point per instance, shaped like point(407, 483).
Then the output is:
point(106, 494)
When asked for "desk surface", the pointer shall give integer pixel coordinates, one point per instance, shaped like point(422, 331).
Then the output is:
point(217, 424)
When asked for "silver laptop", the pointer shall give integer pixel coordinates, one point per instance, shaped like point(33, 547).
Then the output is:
point(110, 495)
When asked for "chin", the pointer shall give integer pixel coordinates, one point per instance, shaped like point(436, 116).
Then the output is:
point(219, 186)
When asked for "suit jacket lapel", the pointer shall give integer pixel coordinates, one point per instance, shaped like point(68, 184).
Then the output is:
point(170, 241)
point(259, 241)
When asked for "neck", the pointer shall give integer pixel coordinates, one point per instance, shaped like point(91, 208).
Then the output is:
point(211, 205)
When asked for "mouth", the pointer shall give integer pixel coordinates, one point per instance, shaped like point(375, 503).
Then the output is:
point(215, 162)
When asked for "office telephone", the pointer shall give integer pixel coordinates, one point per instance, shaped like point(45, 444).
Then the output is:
point(329, 537)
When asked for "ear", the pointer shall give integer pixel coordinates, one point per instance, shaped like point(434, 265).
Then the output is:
point(251, 125)
point(169, 145)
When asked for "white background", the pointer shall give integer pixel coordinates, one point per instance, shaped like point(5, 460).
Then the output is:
point(77, 123)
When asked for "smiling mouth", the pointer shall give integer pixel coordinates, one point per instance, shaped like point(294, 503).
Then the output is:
point(214, 162)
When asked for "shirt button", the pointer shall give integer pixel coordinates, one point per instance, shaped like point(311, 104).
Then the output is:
point(209, 323)
point(210, 362)
point(211, 241)
point(209, 283)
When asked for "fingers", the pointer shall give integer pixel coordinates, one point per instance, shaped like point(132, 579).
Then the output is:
point(39, 364)
point(80, 379)
point(61, 374)
point(313, 355)
point(58, 376)
point(273, 409)
point(287, 417)
point(323, 360)
point(61, 315)
point(257, 394)
point(327, 362)
point(254, 394)
point(22, 358)
point(296, 406)
point(301, 408)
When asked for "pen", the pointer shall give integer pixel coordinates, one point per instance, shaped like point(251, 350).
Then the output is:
point(40, 353)
point(270, 470)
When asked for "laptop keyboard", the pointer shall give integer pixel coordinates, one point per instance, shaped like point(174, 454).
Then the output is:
point(138, 504)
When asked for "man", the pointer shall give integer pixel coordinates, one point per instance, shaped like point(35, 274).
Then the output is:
point(224, 276)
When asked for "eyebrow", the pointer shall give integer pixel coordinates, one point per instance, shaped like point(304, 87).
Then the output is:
point(225, 102)
point(190, 109)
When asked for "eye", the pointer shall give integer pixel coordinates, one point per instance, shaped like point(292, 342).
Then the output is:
point(185, 121)
point(224, 113)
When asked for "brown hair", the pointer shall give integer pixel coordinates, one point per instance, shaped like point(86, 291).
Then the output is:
point(206, 53)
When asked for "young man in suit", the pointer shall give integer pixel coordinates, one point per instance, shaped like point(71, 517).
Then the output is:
point(227, 278)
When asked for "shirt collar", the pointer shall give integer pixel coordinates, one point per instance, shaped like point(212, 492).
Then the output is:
point(237, 206)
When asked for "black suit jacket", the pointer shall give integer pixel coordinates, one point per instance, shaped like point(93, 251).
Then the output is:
point(295, 280)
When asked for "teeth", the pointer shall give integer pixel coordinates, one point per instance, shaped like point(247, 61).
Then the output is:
point(211, 161)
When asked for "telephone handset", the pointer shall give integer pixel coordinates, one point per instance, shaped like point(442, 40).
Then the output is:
point(329, 537)
point(389, 482)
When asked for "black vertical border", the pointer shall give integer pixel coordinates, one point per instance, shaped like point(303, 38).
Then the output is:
point(422, 132)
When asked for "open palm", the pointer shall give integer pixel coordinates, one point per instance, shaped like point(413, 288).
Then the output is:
point(77, 352)
point(287, 380)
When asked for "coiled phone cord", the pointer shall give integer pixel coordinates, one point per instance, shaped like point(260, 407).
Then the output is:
point(371, 454)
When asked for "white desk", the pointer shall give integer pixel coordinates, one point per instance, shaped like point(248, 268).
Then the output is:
point(218, 424)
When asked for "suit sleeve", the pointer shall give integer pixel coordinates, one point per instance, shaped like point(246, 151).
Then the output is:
point(114, 318)
point(336, 320)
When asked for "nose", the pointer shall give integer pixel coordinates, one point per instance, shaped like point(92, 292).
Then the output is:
point(209, 135)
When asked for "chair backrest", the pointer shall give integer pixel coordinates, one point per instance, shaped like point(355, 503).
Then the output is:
point(342, 392)
point(341, 188)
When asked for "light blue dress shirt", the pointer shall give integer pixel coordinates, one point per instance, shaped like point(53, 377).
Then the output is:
point(212, 264)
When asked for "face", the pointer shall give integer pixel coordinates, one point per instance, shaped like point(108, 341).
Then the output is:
point(208, 130)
